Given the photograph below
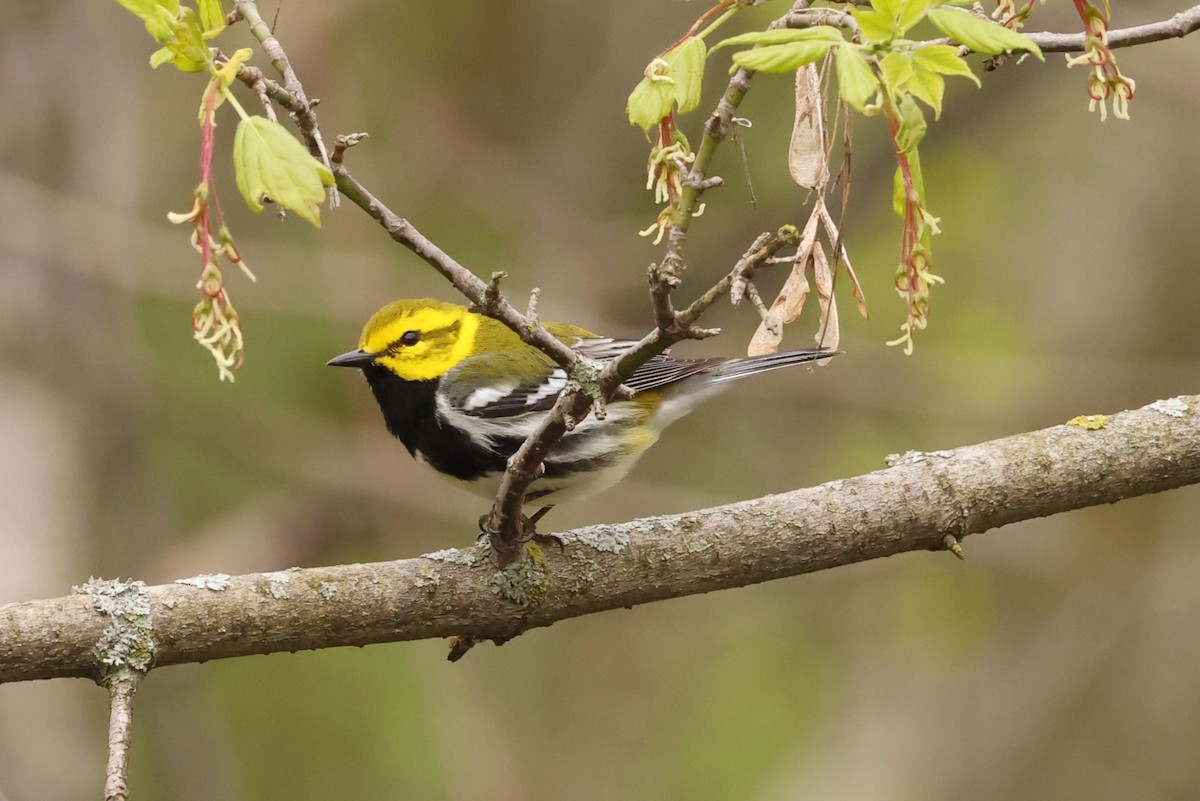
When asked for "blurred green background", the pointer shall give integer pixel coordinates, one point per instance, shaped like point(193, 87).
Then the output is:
point(1060, 661)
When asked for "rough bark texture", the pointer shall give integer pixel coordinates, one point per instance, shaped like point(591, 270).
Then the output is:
point(911, 505)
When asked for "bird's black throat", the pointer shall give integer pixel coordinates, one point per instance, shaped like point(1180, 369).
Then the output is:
point(410, 412)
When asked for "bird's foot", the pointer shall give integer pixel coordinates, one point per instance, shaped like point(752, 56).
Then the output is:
point(529, 529)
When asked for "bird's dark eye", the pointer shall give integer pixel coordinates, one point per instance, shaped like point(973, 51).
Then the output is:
point(410, 338)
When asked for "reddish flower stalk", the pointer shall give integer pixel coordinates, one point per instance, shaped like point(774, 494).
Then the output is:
point(215, 323)
point(1105, 79)
point(913, 277)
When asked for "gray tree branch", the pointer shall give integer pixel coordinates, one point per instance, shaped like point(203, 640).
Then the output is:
point(1178, 26)
point(923, 501)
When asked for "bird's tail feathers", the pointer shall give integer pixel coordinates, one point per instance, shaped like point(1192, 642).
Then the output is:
point(752, 365)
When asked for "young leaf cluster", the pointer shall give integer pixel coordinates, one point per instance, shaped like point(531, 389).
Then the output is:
point(268, 161)
point(879, 71)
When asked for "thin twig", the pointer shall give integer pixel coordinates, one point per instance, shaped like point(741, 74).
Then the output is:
point(531, 311)
point(253, 78)
point(666, 276)
point(764, 313)
point(659, 339)
point(305, 116)
point(745, 267)
point(1178, 26)
point(470, 285)
point(121, 687)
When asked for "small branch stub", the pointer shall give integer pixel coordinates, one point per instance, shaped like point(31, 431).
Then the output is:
point(459, 647)
point(953, 545)
point(345, 142)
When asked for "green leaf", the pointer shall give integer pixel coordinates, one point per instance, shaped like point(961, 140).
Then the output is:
point(270, 162)
point(649, 102)
point(822, 33)
point(212, 16)
point(897, 68)
point(912, 12)
point(159, 16)
point(675, 78)
point(875, 26)
point(226, 74)
point(928, 86)
point(189, 51)
point(942, 59)
point(143, 9)
point(782, 58)
point(857, 83)
point(229, 70)
point(889, 7)
point(687, 68)
point(162, 55)
point(912, 124)
point(979, 34)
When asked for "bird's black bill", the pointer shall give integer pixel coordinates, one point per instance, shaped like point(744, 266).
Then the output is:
point(355, 358)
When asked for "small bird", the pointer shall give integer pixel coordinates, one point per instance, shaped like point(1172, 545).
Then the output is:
point(462, 392)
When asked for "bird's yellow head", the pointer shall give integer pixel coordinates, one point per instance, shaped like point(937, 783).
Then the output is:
point(418, 340)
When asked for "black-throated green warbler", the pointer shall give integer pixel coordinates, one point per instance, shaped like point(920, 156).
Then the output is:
point(462, 392)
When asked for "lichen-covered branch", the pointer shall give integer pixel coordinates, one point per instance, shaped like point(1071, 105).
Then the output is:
point(915, 504)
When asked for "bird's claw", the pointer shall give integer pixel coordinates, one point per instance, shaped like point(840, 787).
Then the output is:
point(529, 532)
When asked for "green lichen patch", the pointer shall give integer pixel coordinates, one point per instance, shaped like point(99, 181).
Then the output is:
point(217, 582)
point(456, 556)
point(525, 582)
point(914, 457)
point(128, 640)
point(1089, 422)
point(277, 584)
point(428, 576)
point(610, 538)
point(1171, 407)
